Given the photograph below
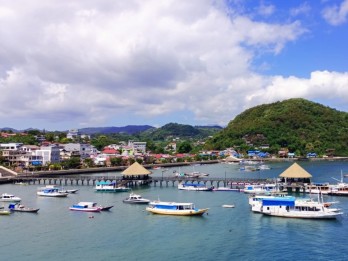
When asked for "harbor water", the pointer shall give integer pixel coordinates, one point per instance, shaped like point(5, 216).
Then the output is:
point(128, 232)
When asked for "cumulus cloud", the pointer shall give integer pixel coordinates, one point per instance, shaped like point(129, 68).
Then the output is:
point(336, 15)
point(93, 63)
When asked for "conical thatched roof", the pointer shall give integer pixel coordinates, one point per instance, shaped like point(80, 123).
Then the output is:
point(135, 169)
point(295, 171)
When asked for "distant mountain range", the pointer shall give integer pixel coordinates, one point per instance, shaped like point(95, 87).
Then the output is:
point(170, 129)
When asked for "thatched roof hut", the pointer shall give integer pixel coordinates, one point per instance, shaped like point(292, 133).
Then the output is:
point(296, 172)
point(136, 170)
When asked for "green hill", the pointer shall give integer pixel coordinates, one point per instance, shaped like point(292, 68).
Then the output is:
point(300, 125)
point(175, 130)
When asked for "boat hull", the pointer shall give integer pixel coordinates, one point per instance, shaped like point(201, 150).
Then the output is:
point(198, 212)
point(56, 195)
point(96, 209)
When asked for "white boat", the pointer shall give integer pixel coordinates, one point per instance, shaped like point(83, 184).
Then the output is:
point(255, 201)
point(136, 199)
point(317, 188)
point(51, 192)
point(174, 208)
point(226, 189)
point(106, 186)
point(260, 188)
point(86, 207)
point(292, 208)
point(194, 187)
point(228, 206)
point(9, 198)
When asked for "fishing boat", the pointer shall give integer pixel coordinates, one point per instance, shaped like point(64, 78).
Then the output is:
point(136, 199)
point(106, 186)
point(174, 208)
point(86, 207)
point(21, 208)
point(51, 192)
point(194, 187)
point(9, 198)
point(292, 208)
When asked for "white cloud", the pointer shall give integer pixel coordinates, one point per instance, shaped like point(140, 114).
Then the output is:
point(336, 15)
point(91, 63)
point(304, 8)
point(266, 10)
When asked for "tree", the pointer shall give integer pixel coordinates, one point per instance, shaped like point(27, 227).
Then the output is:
point(184, 147)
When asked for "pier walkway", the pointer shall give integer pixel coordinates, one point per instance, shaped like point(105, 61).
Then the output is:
point(90, 180)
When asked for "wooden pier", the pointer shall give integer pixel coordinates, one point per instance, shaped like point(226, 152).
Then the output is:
point(90, 180)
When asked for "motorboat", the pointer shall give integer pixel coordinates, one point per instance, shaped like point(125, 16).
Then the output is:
point(62, 190)
point(86, 207)
point(51, 192)
point(194, 187)
point(136, 199)
point(260, 188)
point(226, 189)
point(106, 186)
point(9, 198)
point(292, 208)
point(105, 208)
point(174, 208)
point(21, 208)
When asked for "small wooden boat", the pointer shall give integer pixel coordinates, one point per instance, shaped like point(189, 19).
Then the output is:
point(86, 207)
point(175, 209)
point(21, 208)
point(105, 208)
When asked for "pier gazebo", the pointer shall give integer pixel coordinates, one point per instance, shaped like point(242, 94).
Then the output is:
point(136, 174)
point(295, 177)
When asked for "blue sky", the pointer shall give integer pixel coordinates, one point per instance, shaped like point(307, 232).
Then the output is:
point(75, 64)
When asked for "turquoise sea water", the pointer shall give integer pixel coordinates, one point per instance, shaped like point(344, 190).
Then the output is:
point(128, 232)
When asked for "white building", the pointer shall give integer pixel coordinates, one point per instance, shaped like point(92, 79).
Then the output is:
point(49, 154)
point(10, 146)
point(85, 150)
point(137, 146)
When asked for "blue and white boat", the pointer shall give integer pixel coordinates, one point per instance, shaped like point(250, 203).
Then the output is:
point(107, 186)
point(51, 192)
point(260, 188)
point(194, 187)
point(86, 207)
point(174, 208)
point(289, 207)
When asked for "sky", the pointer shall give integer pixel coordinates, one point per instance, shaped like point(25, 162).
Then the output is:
point(96, 63)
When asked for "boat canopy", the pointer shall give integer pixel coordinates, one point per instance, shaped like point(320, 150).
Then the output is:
point(279, 202)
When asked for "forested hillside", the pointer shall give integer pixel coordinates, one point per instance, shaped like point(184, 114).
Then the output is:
point(297, 124)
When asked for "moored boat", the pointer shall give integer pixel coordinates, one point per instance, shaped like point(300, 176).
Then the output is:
point(9, 198)
point(260, 188)
point(226, 189)
point(174, 208)
point(194, 187)
point(292, 208)
point(136, 199)
point(21, 208)
point(86, 207)
point(105, 208)
point(105, 186)
point(5, 212)
point(51, 192)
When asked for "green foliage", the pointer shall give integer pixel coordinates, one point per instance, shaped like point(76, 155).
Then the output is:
point(297, 124)
point(72, 163)
point(184, 147)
